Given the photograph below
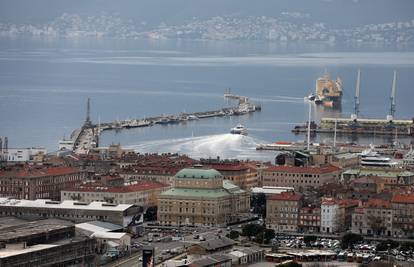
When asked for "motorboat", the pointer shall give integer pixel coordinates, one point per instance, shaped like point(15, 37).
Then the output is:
point(239, 129)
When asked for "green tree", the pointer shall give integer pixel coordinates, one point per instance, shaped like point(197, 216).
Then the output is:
point(150, 214)
point(406, 246)
point(269, 234)
point(251, 229)
point(233, 234)
point(309, 239)
point(350, 239)
point(258, 204)
point(387, 244)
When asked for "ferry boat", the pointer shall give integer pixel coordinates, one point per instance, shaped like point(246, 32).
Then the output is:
point(239, 129)
point(370, 157)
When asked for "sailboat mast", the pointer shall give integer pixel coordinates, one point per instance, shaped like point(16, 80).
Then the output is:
point(309, 125)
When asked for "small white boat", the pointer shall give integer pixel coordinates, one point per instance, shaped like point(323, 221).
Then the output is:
point(239, 129)
point(311, 97)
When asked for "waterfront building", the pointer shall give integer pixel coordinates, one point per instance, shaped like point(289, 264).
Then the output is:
point(33, 182)
point(78, 212)
point(201, 197)
point(19, 155)
point(144, 194)
point(343, 160)
point(374, 217)
point(300, 177)
point(282, 211)
point(391, 177)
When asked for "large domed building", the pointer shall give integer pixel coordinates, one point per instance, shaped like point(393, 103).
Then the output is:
point(201, 197)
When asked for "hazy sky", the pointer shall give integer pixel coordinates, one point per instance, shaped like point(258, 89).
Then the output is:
point(335, 12)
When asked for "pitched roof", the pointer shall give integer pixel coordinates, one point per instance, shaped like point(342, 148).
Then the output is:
point(311, 170)
point(198, 173)
point(98, 187)
point(404, 199)
point(195, 192)
point(217, 243)
point(29, 172)
point(286, 196)
point(377, 203)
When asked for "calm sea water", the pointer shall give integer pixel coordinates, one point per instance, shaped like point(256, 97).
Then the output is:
point(44, 85)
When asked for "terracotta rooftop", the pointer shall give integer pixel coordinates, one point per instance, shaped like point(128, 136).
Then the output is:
point(311, 170)
point(342, 202)
point(33, 172)
point(97, 187)
point(377, 203)
point(408, 199)
point(228, 167)
point(286, 196)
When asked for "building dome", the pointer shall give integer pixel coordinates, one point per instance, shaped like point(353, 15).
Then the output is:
point(197, 173)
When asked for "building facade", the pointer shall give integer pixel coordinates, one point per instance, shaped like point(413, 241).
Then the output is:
point(282, 211)
point(309, 219)
point(78, 212)
point(300, 177)
point(241, 174)
point(144, 194)
point(201, 197)
point(34, 182)
point(374, 218)
point(403, 215)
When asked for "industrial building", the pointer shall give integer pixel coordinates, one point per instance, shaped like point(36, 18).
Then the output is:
point(78, 212)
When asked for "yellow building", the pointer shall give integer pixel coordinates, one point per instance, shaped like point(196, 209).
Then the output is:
point(201, 197)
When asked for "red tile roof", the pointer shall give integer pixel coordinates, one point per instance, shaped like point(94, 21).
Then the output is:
point(311, 170)
point(228, 167)
point(33, 172)
point(377, 203)
point(98, 187)
point(407, 199)
point(286, 196)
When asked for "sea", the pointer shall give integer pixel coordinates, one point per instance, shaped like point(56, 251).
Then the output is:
point(45, 83)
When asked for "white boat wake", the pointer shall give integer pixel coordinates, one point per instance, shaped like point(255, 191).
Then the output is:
point(224, 146)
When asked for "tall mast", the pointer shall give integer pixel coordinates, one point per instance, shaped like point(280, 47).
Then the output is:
point(334, 142)
point(393, 105)
point(356, 98)
point(309, 125)
point(88, 113)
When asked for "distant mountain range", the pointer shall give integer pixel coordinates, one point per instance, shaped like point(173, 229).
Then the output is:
point(286, 27)
point(336, 13)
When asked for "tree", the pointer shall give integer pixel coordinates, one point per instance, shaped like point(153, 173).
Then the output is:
point(387, 244)
point(406, 246)
point(350, 239)
point(309, 239)
point(233, 234)
point(151, 214)
point(269, 234)
point(258, 204)
point(251, 229)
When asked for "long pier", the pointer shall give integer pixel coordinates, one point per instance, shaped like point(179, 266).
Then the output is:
point(348, 126)
point(87, 137)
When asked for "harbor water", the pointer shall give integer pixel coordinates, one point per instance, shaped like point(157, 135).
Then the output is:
point(44, 84)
